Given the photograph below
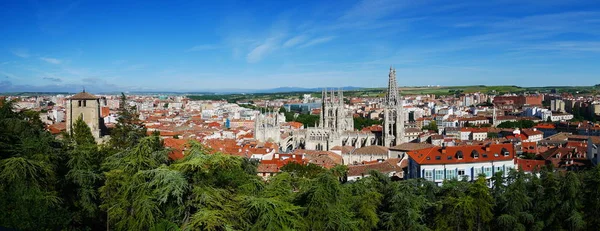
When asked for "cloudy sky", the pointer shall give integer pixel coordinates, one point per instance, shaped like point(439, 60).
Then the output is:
point(199, 45)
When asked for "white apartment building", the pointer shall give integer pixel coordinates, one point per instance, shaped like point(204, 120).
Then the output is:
point(437, 164)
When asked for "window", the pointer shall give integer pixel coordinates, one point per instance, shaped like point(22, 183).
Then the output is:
point(439, 174)
point(85, 103)
point(438, 157)
point(506, 153)
point(476, 171)
point(459, 155)
point(79, 105)
point(449, 157)
point(484, 155)
point(450, 174)
point(496, 154)
point(428, 175)
point(488, 171)
point(498, 168)
point(461, 173)
point(475, 154)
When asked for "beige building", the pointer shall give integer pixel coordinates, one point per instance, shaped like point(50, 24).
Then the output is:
point(365, 154)
point(88, 106)
point(557, 105)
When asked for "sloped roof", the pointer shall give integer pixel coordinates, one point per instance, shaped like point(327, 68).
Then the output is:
point(411, 146)
point(389, 165)
point(345, 149)
point(530, 165)
point(447, 155)
point(375, 149)
point(83, 95)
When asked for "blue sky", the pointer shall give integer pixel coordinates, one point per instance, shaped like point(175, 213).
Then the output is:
point(199, 45)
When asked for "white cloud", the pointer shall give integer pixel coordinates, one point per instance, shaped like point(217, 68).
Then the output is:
point(263, 49)
point(20, 52)
point(51, 60)
point(203, 47)
point(294, 41)
point(258, 52)
point(318, 41)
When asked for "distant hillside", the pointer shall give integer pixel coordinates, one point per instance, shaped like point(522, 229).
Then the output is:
point(300, 89)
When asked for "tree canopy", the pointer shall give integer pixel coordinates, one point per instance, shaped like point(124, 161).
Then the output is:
point(75, 184)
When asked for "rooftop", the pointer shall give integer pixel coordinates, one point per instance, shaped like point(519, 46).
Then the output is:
point(83, 95)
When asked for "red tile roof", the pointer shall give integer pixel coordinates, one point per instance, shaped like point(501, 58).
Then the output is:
point(105, 111)
point(530, 165)
point(57, 128)
point(545, 126)
point(294, 124)
point(177, 145)
point(448, 155)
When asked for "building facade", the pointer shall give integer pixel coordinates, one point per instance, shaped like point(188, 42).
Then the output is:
point(437, 164)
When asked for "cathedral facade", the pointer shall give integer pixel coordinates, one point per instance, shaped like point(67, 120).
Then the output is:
point(336, 125)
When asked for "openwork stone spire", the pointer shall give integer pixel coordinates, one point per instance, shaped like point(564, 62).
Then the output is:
point(391, 97)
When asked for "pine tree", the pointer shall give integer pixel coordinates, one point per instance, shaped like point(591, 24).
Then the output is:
point(81, 133)
point(129, 128)
point(591, 196)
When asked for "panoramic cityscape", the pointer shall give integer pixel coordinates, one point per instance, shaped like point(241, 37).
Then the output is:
point(367, 115)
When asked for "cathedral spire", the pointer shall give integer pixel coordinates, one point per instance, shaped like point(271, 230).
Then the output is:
point(391, 96)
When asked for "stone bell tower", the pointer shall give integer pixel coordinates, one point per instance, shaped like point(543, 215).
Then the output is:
point(88, 106)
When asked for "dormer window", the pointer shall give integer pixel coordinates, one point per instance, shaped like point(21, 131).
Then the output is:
point(558, 156)
point(459, 155)
point(475, 154)
point(506, 153)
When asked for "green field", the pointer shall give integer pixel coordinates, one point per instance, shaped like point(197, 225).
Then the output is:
point(380, 92)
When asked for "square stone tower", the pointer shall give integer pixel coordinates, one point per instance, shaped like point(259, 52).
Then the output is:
point(88, 106)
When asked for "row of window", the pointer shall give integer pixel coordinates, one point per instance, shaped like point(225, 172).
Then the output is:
point(441, 174)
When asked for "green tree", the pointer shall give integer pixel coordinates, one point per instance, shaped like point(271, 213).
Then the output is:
point(513, 207)
point(365, 201)
point(300, 170)
point(483, 203)
point(432, 126)
point(569, 209)
point(138, 184)
point(325, 207)
point(29, 185)
point(81, 133)
point(129, 128)
point(361, 122)
point(591, 196)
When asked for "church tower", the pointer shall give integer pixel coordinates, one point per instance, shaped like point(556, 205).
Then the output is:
point(393, 118)
point(87, 106)
point(334, 115)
